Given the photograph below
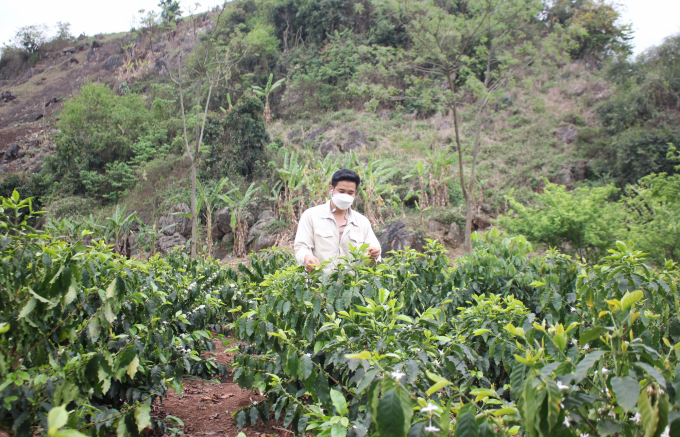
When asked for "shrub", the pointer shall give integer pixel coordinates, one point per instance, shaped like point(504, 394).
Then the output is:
point(640, 152)
point(244, 138)
point(581, 222)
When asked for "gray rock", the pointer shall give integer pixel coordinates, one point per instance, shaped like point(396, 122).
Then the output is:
point(168, 242)
point(293, 135)
point(160, 66)
point(96, 44)
point(69, 50)
point(396, 237)
point(223, 220)
point(4, 169)
point(328, 146)
point(7, 96)
point(258, 237)
point(357, 140)
point(11, 153)
point(312, 136)
point(266, 214)
point(486, 208)
point(437, 228)
point(133, 246)
point(567, 134)
point(454, 236)
point(113, 62)
point(91, 54)
point(384, 115)
point(157, 47)
point(176, 223)
point(51, 101)
point(564, 176)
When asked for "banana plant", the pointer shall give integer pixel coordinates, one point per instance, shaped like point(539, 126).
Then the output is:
point(118, 228)
point(266, 91)
point(209, 198)
point(238, 201)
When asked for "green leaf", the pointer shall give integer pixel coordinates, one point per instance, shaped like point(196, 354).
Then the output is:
point(306, 366)
point(337, 430)
point(143, 416)
point(367, 379)
point(467, 424)
point(627, 391)
point(363, 355)
point(651, 371)
point(339, 402)
point(649, 413)
point(132, 367)
point(585, 364)
point(394, 413)
point(322, 390)
point(591, 335)
point(293, 361)
point(56, 418)
point(26, 310)
point(629, 299)
point(4, 327)
point(93, 328)
point(71, 294)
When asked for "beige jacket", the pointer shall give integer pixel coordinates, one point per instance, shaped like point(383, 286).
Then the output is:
point(317, 234)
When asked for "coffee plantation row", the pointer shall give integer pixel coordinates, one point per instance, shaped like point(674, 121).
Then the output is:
point(500, 344)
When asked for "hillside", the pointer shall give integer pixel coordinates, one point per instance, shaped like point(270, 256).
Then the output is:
point(351, 97)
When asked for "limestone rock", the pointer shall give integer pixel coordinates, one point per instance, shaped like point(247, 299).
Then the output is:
point(438, 229)
point(454, 237)
point(223, 220)
point(168, 242)
point(258, 236)
point(176, 223)
point(396, 237)
point(113, 62)
point(567, 134)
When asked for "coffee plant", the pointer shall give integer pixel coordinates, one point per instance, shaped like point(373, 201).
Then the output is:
point(500, 344)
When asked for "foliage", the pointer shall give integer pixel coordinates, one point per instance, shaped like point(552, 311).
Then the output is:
point(245, 136)
point(170, 10)
point(102, 137)
point(582, 221)
point(602, 37)
point(339, 354)
point(105, 336)
point(653, 214)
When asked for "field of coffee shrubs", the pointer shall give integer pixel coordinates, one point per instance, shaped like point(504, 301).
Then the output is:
point(501, 344)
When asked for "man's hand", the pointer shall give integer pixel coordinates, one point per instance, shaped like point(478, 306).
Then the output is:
point(311, 263)
point(373, 252)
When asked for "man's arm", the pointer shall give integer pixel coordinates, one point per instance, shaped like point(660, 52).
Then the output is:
point(304, 238)
point(373, 241)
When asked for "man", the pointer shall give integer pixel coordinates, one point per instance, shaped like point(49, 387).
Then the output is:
point(325, 231)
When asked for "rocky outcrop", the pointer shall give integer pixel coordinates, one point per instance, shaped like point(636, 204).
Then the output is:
point(113, 62)
point(222, 222)
point(258, 236)
point(397, 236)
point(175, 223)
point(567, 134)
point(168, 242)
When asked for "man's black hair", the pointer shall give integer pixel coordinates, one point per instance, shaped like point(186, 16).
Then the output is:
point(345, 175)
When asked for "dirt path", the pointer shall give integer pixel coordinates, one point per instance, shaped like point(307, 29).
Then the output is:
point(206, 407)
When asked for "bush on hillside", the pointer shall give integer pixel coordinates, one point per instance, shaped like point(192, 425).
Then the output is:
point(583, 222)
point(242, 147)
point(103, 136)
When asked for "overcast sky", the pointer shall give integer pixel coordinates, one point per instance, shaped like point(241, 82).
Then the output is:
point(652, 19)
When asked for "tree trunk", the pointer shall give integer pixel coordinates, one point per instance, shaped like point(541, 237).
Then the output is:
point(194, 213)
point(267, 113)
point(208, 232)
point(469, 216)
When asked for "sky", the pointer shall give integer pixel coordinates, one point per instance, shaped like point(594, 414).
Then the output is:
point(652, 20)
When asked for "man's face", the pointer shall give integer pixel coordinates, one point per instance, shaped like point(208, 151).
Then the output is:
point(345, 187)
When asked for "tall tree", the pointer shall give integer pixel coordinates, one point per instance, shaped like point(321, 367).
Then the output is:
point(477, 47)
point(209, 66)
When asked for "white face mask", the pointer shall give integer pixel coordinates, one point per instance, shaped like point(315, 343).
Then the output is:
point(342, 200)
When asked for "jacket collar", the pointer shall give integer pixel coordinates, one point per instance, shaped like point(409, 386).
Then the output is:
point(326, 213)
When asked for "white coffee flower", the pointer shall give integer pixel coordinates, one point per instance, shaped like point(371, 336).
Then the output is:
point(567, 422)
point(666, 432)
point(429, 408)
point(431, 429)
point(586, 347)
point(636, 418)
point(398, 375)
point(573, 310)
point(562, 386)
